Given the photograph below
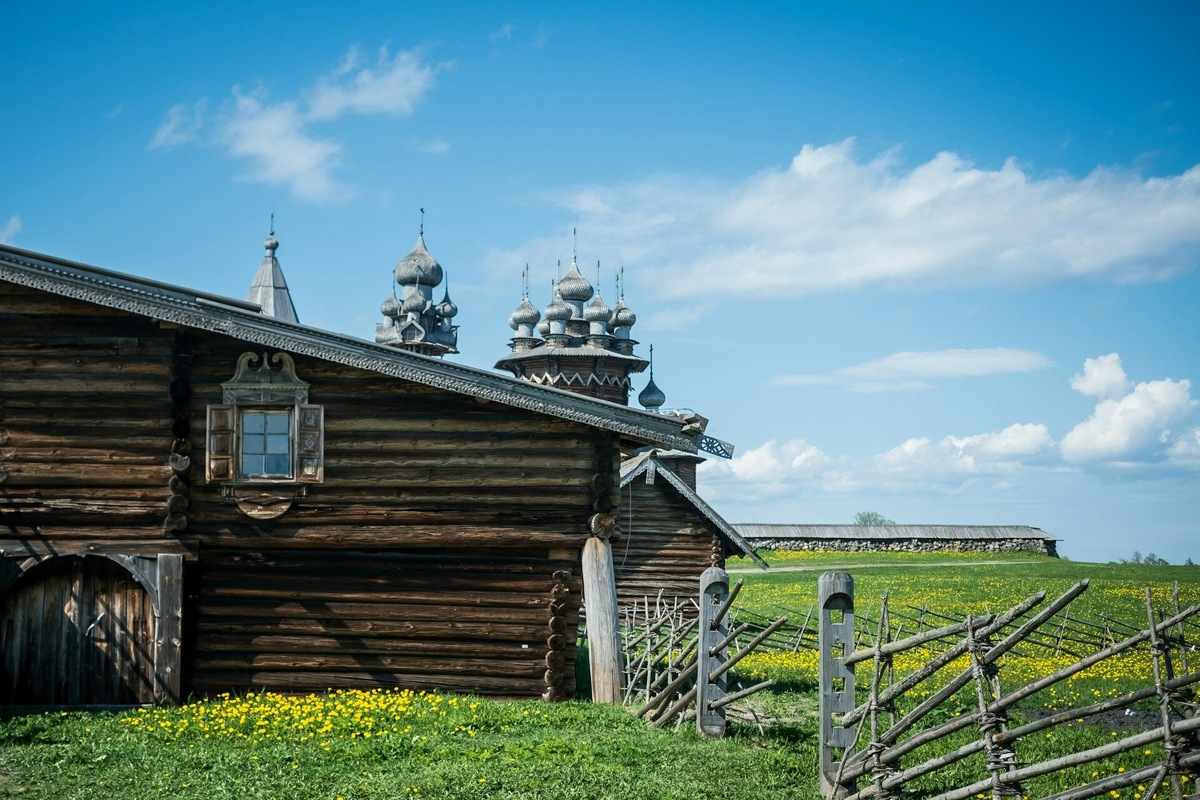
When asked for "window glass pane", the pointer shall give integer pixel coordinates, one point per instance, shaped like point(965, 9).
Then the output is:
point(266, 444)
point(277, 443)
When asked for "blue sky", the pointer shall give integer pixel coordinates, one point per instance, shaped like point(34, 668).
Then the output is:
point(936, 262)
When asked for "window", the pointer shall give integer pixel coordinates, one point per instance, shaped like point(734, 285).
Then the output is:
point(265, 433)
point(266, 444)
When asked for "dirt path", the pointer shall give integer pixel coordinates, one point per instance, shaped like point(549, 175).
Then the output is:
point(849, 567)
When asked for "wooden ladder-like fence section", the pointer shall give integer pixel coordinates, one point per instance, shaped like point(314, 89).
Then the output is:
point(677, 661)
point(920, 753)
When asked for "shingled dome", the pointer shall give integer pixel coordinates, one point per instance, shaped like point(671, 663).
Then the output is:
point(419, 267)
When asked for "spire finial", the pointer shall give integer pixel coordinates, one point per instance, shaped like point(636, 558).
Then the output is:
point(651, 362)
point(421, 227)
point(621, 283)
point(597, 275)
point(272, 231)
point(574, 248)
point(525, 282)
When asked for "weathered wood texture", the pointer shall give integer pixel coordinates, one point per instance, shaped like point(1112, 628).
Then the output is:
point(427, 558)
point(423, 560)
point(85, 425)
point(75, 631)
point(307, 620)
point(665, 544)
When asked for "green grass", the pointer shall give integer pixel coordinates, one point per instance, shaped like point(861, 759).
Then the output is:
point(512, 750)
point(442, 746)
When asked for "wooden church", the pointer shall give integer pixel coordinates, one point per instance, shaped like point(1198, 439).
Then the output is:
point(201, 494)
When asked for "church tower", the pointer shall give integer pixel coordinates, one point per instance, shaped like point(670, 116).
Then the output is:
point(580, 346)
point(412, 320)
point(269, 288)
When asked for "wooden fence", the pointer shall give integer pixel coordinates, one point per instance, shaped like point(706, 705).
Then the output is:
point(677, 661)
point(925, 750)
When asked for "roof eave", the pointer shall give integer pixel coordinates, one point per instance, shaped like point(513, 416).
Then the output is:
point(242, 320)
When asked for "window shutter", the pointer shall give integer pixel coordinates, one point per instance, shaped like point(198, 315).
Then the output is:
point(310, 444)
point(221, 445)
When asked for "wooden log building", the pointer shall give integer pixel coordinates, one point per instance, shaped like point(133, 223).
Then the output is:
point(667, 528)
point(198, 497)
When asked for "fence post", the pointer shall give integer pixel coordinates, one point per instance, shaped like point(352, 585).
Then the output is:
point(835, 641)
point(714, 591)
point(603, 625)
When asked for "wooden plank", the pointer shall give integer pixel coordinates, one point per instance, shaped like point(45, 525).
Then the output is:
point(168, 630)
point(604, 637)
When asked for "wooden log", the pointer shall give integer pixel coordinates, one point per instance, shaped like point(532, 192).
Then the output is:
point(450, 607)
point(238, 629)
point(603, 626)
point(411, 536)
point(715, 600)
point(318, 681)
point(168, 629)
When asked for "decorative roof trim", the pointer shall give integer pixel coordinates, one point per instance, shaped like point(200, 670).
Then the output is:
point(646, 463)
point(243, 321)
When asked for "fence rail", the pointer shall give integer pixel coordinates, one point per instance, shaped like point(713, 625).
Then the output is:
point(874, 741)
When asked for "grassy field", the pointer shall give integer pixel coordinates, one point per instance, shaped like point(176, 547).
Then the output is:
point(356, 746)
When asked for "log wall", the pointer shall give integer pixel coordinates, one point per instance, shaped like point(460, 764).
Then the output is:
point(440, 552)
point(429, 557)
point(85, 428)
point(665, 544)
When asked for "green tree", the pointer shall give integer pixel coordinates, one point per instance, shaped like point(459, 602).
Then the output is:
point(872, 518)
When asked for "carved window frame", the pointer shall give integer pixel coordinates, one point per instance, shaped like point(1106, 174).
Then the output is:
point(258, 389)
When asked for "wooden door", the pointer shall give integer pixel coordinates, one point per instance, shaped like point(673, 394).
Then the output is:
point(77, 630)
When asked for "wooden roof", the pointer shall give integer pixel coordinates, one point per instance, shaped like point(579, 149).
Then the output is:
point(755, 531)
point(242, 320)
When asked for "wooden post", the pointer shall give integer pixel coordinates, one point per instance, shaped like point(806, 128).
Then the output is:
point(836, 598)
point(168, 636)
point(604, 635)
point(714, 626)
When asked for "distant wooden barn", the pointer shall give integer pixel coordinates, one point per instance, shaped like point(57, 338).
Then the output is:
point(668, 530)
point(196, 497)
point(996, 538)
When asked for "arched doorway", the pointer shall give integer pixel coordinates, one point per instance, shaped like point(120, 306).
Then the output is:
point(77, 630)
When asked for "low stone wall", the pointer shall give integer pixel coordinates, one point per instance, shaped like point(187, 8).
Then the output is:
point(1039, 546)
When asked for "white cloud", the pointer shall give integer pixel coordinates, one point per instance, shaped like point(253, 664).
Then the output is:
point(1184, 452)
point(830, 220)
point(505, 31)
point(10, 229)
point(1148, 428)
point(1102, 377)
point(433, 146)
point(770, 470)
point(1133, 426)
point(912, 370)
point(276, 136)
point(272, 136)
point(392, 86)
point(675, 319)
point(182, 125)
